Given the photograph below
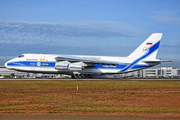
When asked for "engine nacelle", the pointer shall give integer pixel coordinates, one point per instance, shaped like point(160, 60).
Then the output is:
point(65, 65)
point(62, 65)
point(75, 67)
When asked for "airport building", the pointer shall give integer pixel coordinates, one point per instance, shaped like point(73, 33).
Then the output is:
point(151, 72)
point(155, 72)
point(6, 73)
point(163, 71)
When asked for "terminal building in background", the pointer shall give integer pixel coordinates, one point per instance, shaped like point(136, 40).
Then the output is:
point(6, 73)
point(166, 72)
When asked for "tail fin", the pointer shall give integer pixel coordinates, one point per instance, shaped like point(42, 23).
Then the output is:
point(149, 48)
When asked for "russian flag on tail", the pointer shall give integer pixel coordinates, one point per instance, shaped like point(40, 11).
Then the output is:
point(149, 43)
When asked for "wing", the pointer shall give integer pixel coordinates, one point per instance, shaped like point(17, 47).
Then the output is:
point(86, 60)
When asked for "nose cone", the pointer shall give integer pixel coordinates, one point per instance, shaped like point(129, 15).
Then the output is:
point(8, 64)
point(5, 64)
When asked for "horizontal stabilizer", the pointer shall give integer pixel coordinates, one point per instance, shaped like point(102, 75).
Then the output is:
point(152, 61)
point(156, 61)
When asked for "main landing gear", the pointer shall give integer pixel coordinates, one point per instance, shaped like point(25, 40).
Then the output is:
point(75, 76)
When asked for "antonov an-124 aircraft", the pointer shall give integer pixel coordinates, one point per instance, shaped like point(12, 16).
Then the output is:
point(76, 65)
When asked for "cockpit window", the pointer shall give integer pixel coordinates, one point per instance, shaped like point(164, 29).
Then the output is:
point(21, 56)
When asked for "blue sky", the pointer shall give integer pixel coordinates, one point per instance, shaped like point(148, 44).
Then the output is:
point(89, 27)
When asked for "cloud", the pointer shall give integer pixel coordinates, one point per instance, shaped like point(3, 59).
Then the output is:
point(40, 33)
point(167, 17)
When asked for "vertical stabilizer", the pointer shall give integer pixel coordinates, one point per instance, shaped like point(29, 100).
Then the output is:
point(148, 49)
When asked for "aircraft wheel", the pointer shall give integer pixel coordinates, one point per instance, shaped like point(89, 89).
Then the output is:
point(73, 76)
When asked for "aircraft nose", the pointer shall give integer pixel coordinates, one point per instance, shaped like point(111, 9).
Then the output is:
point(5, 64)
point(9, 64)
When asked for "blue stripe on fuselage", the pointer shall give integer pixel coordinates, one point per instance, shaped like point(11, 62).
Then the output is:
point(31, 63)
point(120, 66)
point(52, 64)
point(99, 66)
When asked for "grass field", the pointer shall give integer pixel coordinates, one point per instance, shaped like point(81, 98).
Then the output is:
point(112, 96)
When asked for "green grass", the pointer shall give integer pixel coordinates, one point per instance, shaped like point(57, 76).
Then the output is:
point(92, 96)
point(88, 84)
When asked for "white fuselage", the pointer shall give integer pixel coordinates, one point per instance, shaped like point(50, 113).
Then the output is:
point(45, 63)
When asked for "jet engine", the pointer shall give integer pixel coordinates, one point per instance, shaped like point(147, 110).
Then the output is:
point(65, 65)
point(75, 67)
point(62, 65)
